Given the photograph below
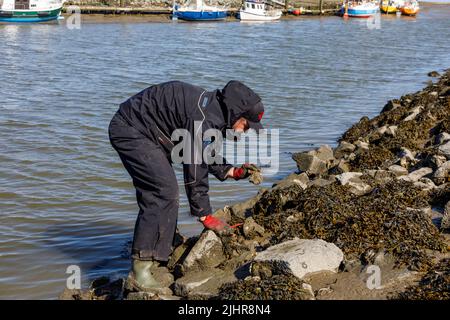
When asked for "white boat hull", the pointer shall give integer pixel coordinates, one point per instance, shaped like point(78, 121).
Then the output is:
point(248, 16)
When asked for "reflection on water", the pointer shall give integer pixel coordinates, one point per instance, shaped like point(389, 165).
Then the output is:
point(64, 196)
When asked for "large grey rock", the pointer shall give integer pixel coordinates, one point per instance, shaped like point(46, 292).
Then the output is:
point(180, 251)
point(398, 170)
point(206, 253)
point(340, 167)
point(324, 153)
point(342, 148)
point(298, 179)
point(301, 257)
point(347, 177)
point(352, 179)
point(417, 174)
point(445, 149)
point(310, 163)
point(202, 284)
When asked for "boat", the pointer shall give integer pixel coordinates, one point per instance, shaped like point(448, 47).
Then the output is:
point(389, 6)
point(258, 10)
point(30, 10)
point(358, 9)
point(410, 8)
point(200, 12)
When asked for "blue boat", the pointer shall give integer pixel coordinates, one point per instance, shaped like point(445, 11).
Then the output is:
point(200, 12)
point(359, 9)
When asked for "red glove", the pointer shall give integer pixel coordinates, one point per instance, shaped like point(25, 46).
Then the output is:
point(215, 224)
point(244, 171)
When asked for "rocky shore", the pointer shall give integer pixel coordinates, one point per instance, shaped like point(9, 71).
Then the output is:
point(369, 219)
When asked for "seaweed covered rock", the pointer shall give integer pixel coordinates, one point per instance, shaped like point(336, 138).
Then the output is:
point(413, 122)
point(435, 285)
point(356, 224)
point(277, 287)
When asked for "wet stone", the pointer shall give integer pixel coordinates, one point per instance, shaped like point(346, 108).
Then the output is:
point(202, 284)
point(324, 153)
point(352, 179)
point(417, 174)
point(344, 147)
point(303, 256)
point(298, 179)
point(309, 163)
point(206, 253)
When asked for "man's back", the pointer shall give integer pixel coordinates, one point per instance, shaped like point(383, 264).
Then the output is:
point(163, 107)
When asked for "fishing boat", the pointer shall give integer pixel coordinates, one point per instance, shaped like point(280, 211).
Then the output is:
point(389, 6)
point(258, 10)
point(30, 10)
point(410, 8)
point(200, 12)
point(357, 9)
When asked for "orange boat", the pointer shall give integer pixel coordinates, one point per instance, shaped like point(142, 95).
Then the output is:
point(410, 8)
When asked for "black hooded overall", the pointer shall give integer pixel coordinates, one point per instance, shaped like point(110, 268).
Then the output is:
point(141, 132)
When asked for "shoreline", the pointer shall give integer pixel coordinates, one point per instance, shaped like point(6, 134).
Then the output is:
point(380, 198)
point(106, 14)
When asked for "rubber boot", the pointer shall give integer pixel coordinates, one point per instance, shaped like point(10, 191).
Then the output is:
point(141, 277)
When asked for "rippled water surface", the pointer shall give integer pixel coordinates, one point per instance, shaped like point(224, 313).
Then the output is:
point(64, 195)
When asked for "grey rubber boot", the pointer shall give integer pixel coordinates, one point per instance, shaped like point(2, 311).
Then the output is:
point(141, 277)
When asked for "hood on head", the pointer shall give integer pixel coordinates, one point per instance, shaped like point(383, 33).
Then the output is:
point(238, 101)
